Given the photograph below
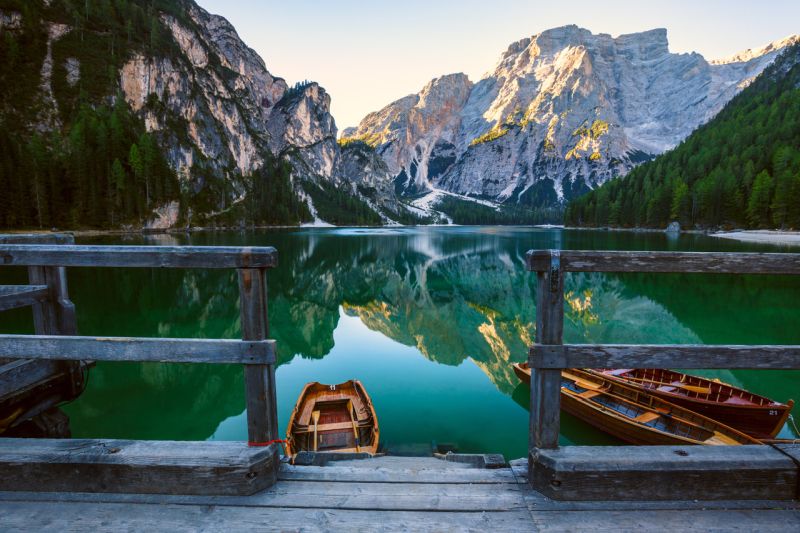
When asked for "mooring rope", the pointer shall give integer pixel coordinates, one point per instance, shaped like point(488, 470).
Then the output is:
point(794, 426)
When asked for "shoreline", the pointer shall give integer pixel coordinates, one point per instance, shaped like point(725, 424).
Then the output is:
point(791, 238)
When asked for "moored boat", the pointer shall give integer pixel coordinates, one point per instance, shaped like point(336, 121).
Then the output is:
point(634, 415)
point(749, 413)
point(333, 418)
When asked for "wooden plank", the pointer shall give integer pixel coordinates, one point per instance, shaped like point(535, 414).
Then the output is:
point(664, 356)
point(154, 467)
point(326, 495)
point(538, 502)
point(792, 451)
point(393, 474)
point(37, 238)
point(55, 347)
point(260, 395)
point(35, 516)
point(14, 296)
point(664, 473)
point(707, 262)
point(545, 383)
point(17, 377)
point(762, 521)
point(139, 256)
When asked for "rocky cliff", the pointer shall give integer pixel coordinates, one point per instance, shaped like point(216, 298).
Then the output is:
point(219, 116)
point(560, 113)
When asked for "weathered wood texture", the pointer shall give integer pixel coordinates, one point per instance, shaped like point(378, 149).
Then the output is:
point(664, 472)
point(153, 467)
point(37, 238)
point(55, 347)
point(708, 262)
point(538, 502)
point(18, 377)
point(14, 296)
point(663, 356)
point(138, 256)
point(373, 497)
point(262, 407)
point(721, 521)
point(545, 383)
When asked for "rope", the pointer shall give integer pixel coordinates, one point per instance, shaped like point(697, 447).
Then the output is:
point(273, 441)
point(794, 426)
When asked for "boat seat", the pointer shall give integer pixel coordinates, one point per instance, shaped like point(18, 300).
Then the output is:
point(618, 371)
point(589, 394)
point(644, 418)
point(332, 427)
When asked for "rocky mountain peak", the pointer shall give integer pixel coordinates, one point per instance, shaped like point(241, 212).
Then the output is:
point(561, 112)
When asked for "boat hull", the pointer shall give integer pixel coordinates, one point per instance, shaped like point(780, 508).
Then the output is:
point(333, 418)
point(634, 415)
point(759, 421)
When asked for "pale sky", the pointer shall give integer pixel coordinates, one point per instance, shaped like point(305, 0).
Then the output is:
point(369, 53)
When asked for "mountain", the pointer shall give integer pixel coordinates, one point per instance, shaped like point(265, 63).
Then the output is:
point(561, 113)
point(155, 112)
point(741, 169)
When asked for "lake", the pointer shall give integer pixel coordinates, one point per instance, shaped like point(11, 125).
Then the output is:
point(429, 319)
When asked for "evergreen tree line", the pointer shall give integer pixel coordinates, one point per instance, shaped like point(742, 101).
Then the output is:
point(103, 171)
point(340, 206)
point(270, 199)
point(473, 214)
point(742, 169)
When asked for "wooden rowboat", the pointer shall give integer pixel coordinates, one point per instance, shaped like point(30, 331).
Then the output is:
point(749, 413)
point(634, 415)
point(333, 418)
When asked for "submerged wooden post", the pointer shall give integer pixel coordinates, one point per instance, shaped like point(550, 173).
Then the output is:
point(546, 383)
point(259, 380)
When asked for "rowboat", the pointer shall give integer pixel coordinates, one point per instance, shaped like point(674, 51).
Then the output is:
point(750, 413)
point(333, 418)
point(634, 415)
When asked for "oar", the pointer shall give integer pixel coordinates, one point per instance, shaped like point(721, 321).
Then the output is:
point(353, 420)
point(315, 416)
point(692, 388)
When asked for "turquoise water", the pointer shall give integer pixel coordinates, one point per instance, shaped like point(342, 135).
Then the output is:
point(429, 319)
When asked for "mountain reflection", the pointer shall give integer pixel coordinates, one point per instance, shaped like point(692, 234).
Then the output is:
point(453, 295)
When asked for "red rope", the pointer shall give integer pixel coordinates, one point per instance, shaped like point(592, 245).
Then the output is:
point(273, 441)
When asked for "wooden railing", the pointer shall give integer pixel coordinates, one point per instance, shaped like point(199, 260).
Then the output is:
point(549, 355)
point(57, 337)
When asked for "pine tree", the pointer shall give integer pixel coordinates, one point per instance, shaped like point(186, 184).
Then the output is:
point(759, 202)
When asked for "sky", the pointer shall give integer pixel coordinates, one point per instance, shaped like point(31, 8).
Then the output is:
point(367, 54)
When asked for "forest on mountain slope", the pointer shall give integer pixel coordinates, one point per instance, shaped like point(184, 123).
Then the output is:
point(95, 166)
point(741, 169)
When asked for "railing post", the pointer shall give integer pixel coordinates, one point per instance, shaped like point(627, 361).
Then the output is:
point(56, 316)
point(259, 380)
point(546, 383)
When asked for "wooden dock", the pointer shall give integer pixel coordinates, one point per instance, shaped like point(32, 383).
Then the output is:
point(111, 485)
point(386, 494)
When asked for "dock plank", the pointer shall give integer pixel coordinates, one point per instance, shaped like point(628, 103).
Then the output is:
point(37, 516)
point(636, 521)
point(382, 474)
point(324, 495)
point(160, 467)
point(665, 473)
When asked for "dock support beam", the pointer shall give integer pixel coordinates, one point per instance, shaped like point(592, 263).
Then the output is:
point(262, 414)
point(546, 383)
